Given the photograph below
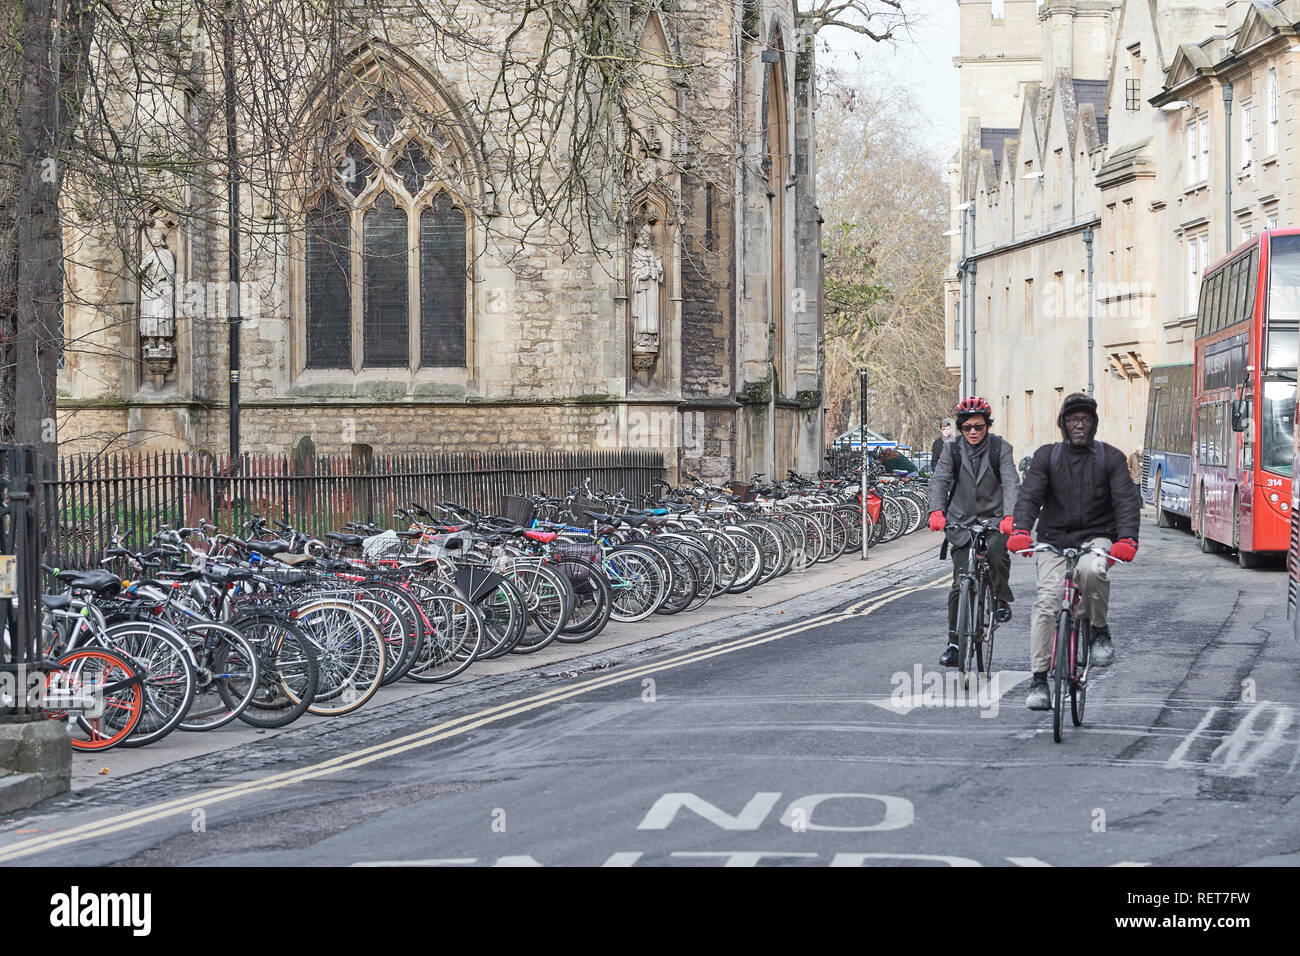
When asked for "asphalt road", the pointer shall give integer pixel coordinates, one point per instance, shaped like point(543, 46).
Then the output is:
point(813, 733)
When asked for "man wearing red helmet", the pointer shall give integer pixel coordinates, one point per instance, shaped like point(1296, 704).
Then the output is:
point(1078, 490)
point(974, 479)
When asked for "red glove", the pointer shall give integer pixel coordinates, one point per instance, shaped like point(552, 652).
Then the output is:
point(1004, 526)
point(937, 521)
point(1125, 549)
point(1020, 541)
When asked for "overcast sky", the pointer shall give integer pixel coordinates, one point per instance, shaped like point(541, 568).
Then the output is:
point(922, 61)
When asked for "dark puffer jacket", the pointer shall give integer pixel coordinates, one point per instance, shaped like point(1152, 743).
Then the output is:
point(1076, 493)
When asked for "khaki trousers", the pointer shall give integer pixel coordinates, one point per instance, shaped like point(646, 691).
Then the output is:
point(1094, 599)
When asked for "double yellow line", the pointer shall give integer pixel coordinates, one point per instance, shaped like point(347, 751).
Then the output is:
point(430, 735)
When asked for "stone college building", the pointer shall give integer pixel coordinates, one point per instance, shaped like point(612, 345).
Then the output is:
point(386, 306)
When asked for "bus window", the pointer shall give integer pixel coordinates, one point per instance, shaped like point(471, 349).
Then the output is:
point(1233, 297)
point(1252, 280)
point(1216, 312)
point(1284, 279)
point(1278, 427)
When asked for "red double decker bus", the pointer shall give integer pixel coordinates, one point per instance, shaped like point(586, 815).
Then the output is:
point(1244, 397)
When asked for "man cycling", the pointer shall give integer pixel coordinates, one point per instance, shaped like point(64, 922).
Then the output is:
point(974, 480)
point(1078, 490)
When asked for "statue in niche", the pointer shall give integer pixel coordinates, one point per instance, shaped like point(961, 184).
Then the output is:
point(157, 303)
point(647, 277)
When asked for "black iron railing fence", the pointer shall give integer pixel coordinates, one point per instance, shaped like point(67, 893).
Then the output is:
point(92, 495)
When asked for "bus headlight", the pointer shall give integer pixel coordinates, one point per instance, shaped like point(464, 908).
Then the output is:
point(1273, 497)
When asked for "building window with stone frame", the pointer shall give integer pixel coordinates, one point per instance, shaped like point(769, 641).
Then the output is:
point(1247, 134)
point(1203, 168)
point(1127, 236)
point(1270, 138)
point(1029, 307)
point(386, 260)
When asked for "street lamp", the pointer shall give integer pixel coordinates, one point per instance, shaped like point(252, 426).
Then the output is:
point(862, 433)
point(232, 233)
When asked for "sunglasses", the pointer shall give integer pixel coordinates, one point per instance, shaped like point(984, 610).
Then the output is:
point(973, 428)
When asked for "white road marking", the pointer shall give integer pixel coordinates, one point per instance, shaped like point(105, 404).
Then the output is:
point(1175, 761)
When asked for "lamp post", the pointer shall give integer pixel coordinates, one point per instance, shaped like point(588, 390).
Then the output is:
point(232, 233)
point(1087, 242)
point(862, 433)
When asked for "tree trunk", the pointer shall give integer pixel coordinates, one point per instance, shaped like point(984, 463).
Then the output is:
point(48, 106)
point(39, 278)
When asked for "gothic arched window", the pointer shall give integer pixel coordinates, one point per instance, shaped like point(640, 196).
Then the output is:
point(386, 267)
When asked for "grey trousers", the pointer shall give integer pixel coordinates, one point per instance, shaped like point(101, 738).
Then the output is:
point(1094, 599)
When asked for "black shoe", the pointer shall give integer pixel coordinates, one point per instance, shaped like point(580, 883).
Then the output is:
point(1039, 697)
point(949, 658)
point(1102, 653)
point(1001, 611)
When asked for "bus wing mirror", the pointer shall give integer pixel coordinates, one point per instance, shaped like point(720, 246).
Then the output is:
point(1240, 417)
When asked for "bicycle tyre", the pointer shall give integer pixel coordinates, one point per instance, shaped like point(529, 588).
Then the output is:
point(965, 627)
point(1060, 668)
point(123, 698)
point(232, 661)
point(1079, 686)
point(289, 669)
point(166, 666)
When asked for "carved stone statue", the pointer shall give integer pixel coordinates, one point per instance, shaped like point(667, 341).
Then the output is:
point(647, 277)
point(157, 303)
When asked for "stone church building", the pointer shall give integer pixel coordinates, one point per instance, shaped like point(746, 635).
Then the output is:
point(381, 310)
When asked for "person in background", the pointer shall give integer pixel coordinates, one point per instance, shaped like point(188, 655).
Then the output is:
point(895, 460)
point(1024, 466)
point(1135, 466)
point(946, 434)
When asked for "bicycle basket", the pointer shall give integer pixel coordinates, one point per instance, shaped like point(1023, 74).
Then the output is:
point(742, 490)
point(578, 561)
point(518, 509)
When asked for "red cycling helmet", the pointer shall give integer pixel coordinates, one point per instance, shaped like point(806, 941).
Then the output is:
point(973, 405)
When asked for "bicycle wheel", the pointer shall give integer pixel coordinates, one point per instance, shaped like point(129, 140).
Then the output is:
point(452, 641)
point(288, 671)
point(413, 619)
point(749, 559)
point(1079, 685)
point(545, 594)
point(394, 627)
point(987, 627)
point(222, 656)
point(593, 601)
point(115, 686)
point(965, 627)
point(350, 650)
point(504, 620)
point(637, 585)
point(166, 666)
point(1060, 670)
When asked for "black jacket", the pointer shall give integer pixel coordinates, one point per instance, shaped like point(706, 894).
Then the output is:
point(1103, 503)
point(935, 451)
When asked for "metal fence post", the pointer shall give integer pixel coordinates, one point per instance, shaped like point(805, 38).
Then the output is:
point(21, 551)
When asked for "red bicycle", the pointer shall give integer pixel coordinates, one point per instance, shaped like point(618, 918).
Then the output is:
point(1071, 648)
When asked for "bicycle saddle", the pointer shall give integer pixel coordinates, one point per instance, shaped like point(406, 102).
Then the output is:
point(269, 548)
point(57, 602)
point(101, 582)
point(347, 540)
